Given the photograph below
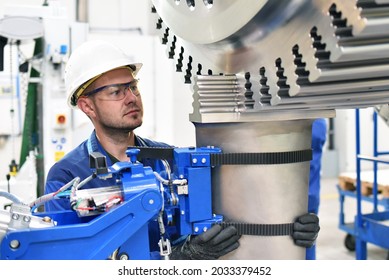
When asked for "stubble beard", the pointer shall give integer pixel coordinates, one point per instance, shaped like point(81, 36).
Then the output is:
point(125, 128)
point(115, 128)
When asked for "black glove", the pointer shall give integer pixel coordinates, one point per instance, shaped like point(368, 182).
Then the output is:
point(210, 245)
point(305, 230)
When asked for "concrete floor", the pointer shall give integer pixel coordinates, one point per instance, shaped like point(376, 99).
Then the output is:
point(330, 243)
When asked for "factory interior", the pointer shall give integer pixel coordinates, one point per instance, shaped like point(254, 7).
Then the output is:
point(220, 81)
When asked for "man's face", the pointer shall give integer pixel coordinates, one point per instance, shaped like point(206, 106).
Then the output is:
point(117, 107)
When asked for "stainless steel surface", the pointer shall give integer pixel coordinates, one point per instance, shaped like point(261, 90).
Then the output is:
point(227, 99)
point(20, 218)
point(5, 219)
point(260, 194)
point(383, 112)
point(289, 48)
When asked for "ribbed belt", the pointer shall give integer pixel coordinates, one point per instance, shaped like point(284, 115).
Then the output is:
point(260, 229)
point(261, 158)
point(234, 158)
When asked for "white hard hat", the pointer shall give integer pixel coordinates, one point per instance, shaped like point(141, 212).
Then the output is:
point(88, 62)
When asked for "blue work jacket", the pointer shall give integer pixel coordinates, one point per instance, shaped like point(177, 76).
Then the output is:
point(76, 164)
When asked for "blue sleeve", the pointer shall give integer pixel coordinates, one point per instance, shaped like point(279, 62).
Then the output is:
point(55, 204)
point(319, 134)
point(57, 178)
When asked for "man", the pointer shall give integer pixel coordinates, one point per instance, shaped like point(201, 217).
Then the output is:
point(101, 81)
point(319, 135)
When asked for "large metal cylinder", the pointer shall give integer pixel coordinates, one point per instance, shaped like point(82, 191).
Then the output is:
point(260, 194)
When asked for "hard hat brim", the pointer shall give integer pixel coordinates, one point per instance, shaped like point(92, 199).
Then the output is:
point(73, 98)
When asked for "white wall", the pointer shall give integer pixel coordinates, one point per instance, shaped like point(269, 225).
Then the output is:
point(167, 100)
point(345, 138)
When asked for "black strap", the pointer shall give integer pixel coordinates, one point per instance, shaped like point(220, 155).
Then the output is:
point(261, 229)
point(261, 158)
point(154, 152)
point(233, 158)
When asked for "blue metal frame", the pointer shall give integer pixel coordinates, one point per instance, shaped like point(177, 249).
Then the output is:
point(195, 165)
point(126, 225)
point(366, 227)
point(96, 239)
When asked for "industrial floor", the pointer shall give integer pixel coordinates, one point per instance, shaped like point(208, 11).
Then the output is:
point(330, 243)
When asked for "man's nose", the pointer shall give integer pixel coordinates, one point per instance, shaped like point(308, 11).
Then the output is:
point(129, 95)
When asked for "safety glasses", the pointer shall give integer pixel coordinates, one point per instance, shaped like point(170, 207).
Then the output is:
point(115, 92)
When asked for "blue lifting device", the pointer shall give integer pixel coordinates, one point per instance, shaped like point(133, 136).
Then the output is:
point(118, 227)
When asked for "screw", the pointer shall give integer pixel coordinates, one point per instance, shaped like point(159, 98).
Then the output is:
point(14, 244)
point(124, 257)
point(27, 219)
point(46, 219)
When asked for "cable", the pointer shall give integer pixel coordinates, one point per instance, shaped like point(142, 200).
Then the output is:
point(11, 197)
point(50, 196)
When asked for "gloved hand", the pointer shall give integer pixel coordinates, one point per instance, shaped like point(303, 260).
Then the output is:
point(210, 245)
point(305, 230)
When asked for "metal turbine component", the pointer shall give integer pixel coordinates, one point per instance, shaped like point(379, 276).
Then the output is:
point(261, 71)
point(383, 112)
point(299, 55)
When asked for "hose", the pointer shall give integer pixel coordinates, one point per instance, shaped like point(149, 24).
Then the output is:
point(11, 197)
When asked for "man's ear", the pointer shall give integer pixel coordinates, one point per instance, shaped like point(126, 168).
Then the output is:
point(86, 105)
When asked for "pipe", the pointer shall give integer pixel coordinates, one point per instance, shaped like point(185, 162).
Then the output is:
point(260, 194)
point(82, 13)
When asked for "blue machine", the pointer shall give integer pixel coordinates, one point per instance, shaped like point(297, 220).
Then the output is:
point(113, 222)
point(366, 227)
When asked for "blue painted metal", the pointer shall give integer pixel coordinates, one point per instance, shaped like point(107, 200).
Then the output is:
point(95, 239)
point(195, 165)
point(126, 225)
point(367, 228)
point(360, 244)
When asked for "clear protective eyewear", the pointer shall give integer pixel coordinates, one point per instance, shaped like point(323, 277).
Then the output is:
point(115, 92)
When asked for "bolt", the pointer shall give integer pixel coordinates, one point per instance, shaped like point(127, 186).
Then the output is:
point(196, 229)
point(183, 212)
point(151, 201)
point(205, 229)
point(15, 216)
point(194, 160)
point(46, 219)
point(203, 160)
point(124, 257)
point(27, 219)
point(14, 244)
